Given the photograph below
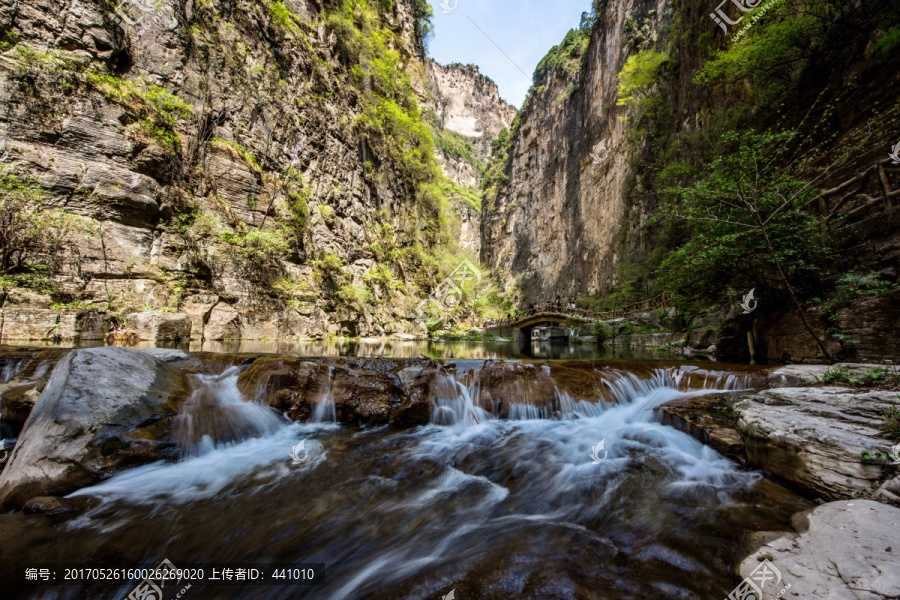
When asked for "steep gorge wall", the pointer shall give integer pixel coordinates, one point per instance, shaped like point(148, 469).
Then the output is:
point(470, 110)
point(215, 158)
point(581, 181)
point(557, 226)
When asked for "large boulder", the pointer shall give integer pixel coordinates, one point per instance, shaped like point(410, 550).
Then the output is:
point(844, 549)
point(104, 409)
point(813, 438)
point(158, 326)
point(223, 323)
point(198, 308)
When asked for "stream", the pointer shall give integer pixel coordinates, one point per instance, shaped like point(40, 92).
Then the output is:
point(590, 500)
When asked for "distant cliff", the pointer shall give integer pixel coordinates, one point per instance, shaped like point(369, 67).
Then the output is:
point(471, 115)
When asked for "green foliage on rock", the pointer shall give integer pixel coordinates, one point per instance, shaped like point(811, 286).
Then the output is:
point(640, 73)
point(565, 59)
point(33, 237)
point(457, 146)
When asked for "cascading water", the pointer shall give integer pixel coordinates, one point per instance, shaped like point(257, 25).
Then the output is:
point(324, 411)
point(494, 508)
point(10, 369)
point(42, 368)
point(6, 444)
point(456, 403)
point(217, 413)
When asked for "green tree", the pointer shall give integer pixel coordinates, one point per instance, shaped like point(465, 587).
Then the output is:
point(747, 227)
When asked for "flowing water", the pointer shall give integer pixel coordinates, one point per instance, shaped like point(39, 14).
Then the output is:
point(533, 506)
point(324, 411)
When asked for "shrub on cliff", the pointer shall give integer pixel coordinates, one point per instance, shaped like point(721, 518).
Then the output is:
point(32, 238)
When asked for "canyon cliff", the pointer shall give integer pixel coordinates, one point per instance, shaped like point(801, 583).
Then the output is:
point(630, 110)
point(234, 171)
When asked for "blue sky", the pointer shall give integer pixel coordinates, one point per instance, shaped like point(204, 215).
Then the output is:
point(523, 29)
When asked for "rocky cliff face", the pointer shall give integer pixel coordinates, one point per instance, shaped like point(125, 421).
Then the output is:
point(579, 183)
point(558, 224)
point(245, 165)
point(471, 116)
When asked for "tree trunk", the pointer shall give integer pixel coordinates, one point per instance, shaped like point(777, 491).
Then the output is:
point(790, 289)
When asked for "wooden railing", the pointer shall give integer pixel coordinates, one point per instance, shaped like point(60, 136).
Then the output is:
point(860, 194)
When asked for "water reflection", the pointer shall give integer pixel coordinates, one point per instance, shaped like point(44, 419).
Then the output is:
point(437, 349)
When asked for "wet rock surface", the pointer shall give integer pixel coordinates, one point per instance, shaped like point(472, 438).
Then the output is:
point(813, 437)
point(24, 374)
point(103, 410)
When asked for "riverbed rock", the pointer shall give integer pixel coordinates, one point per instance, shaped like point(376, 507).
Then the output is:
point(709, 419)
point(418, 384)
point(24, 374)
point(158, 326)
point(815, 437)
point(889, 491)
point(812, 438)
point(104, 409)
point(804, 375)
point(845, 549)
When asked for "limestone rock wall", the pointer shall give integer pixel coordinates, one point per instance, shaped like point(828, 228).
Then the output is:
point(211, 155)
point(558, 225)
point(468, 106)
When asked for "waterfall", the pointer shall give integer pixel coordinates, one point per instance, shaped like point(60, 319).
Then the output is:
point(5, 443)
point(456, 403)
point(42, 369)
point(324, 412)
point(216, 413)
point(11, 368)
point(626, 388)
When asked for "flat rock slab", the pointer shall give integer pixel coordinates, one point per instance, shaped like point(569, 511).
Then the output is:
point(812, 438)
point(840, 550)
point(804, 375)
point(815, 437)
